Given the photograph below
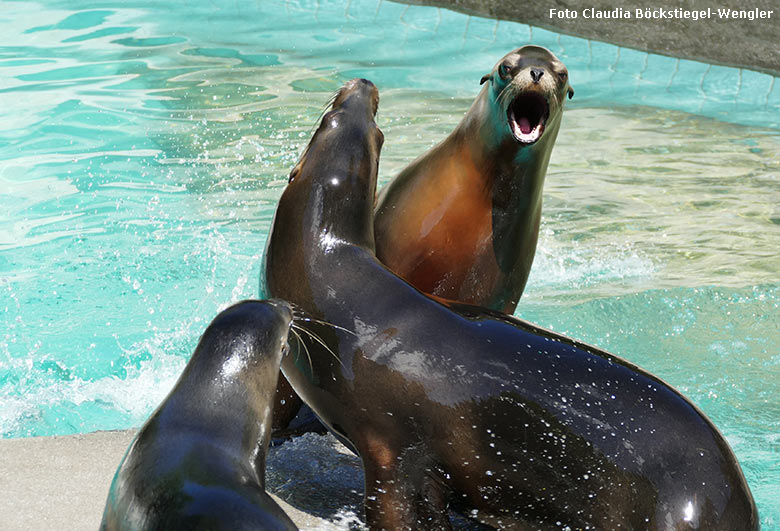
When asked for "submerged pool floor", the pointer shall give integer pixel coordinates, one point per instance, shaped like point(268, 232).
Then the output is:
point(143, 148)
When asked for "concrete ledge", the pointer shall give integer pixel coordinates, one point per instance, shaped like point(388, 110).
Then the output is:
point(61, 482)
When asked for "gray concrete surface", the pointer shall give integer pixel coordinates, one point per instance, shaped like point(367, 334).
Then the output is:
point(61, 483)
point(753, 44)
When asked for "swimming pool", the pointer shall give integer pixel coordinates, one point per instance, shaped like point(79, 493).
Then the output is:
point(143, 147)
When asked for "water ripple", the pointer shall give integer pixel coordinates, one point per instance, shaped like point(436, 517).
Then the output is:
point(144, 146)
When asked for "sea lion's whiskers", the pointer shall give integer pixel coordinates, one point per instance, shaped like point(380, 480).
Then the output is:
point(324, 323)
point(318, 340)
point(507, 93)
point(325, 108)
point(302, 343)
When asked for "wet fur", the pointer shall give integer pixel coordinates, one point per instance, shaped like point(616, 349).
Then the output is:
point(199, 461)
point(462, 221)
point(453, 404)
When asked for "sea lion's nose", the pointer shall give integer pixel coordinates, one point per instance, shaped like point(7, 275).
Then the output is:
point(536, 74)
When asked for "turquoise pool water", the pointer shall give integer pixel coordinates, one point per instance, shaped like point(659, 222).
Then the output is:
point(143, 146)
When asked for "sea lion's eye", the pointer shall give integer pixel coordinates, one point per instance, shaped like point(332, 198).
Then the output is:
point(503, 71)
point(563, 75)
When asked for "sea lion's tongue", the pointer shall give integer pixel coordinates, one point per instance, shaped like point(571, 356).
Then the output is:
point(525, 125)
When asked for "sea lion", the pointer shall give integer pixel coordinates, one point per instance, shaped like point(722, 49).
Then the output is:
point(199, 461)
point(520, 427)
point(462, 221)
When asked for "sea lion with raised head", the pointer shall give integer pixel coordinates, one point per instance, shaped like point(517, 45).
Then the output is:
point(462, 221)
point(199, 461)
point(518, 426)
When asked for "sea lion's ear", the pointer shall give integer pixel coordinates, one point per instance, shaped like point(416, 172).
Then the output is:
point(571, 92)
point(484, 78)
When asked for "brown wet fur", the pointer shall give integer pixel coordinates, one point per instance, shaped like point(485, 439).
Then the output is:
point(454, 215)
point(462, 221)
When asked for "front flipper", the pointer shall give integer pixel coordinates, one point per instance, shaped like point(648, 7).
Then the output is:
point(401, 493)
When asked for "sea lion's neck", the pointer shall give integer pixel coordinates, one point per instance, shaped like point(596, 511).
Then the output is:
point(350, 207)
point(483, 121)
point(331, 207)
point(511, 179)
point(243, 426)
point(520, 171)
point(311, 221)
point(513, 176)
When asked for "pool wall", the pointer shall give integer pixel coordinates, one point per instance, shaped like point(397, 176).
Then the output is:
point(726, 41)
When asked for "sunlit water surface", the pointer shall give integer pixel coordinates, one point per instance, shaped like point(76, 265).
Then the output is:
point(143, 147)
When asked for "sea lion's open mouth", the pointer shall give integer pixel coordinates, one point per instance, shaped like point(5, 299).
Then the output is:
point(527, 115)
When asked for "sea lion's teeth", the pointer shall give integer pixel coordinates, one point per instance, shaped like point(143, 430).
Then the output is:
point(524, 132)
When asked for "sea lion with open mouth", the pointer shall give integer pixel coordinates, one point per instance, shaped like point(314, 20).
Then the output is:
point(448, 403)
point(462, 221)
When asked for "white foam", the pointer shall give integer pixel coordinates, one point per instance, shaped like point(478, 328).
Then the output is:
point(133, 398)
point(567, 266)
